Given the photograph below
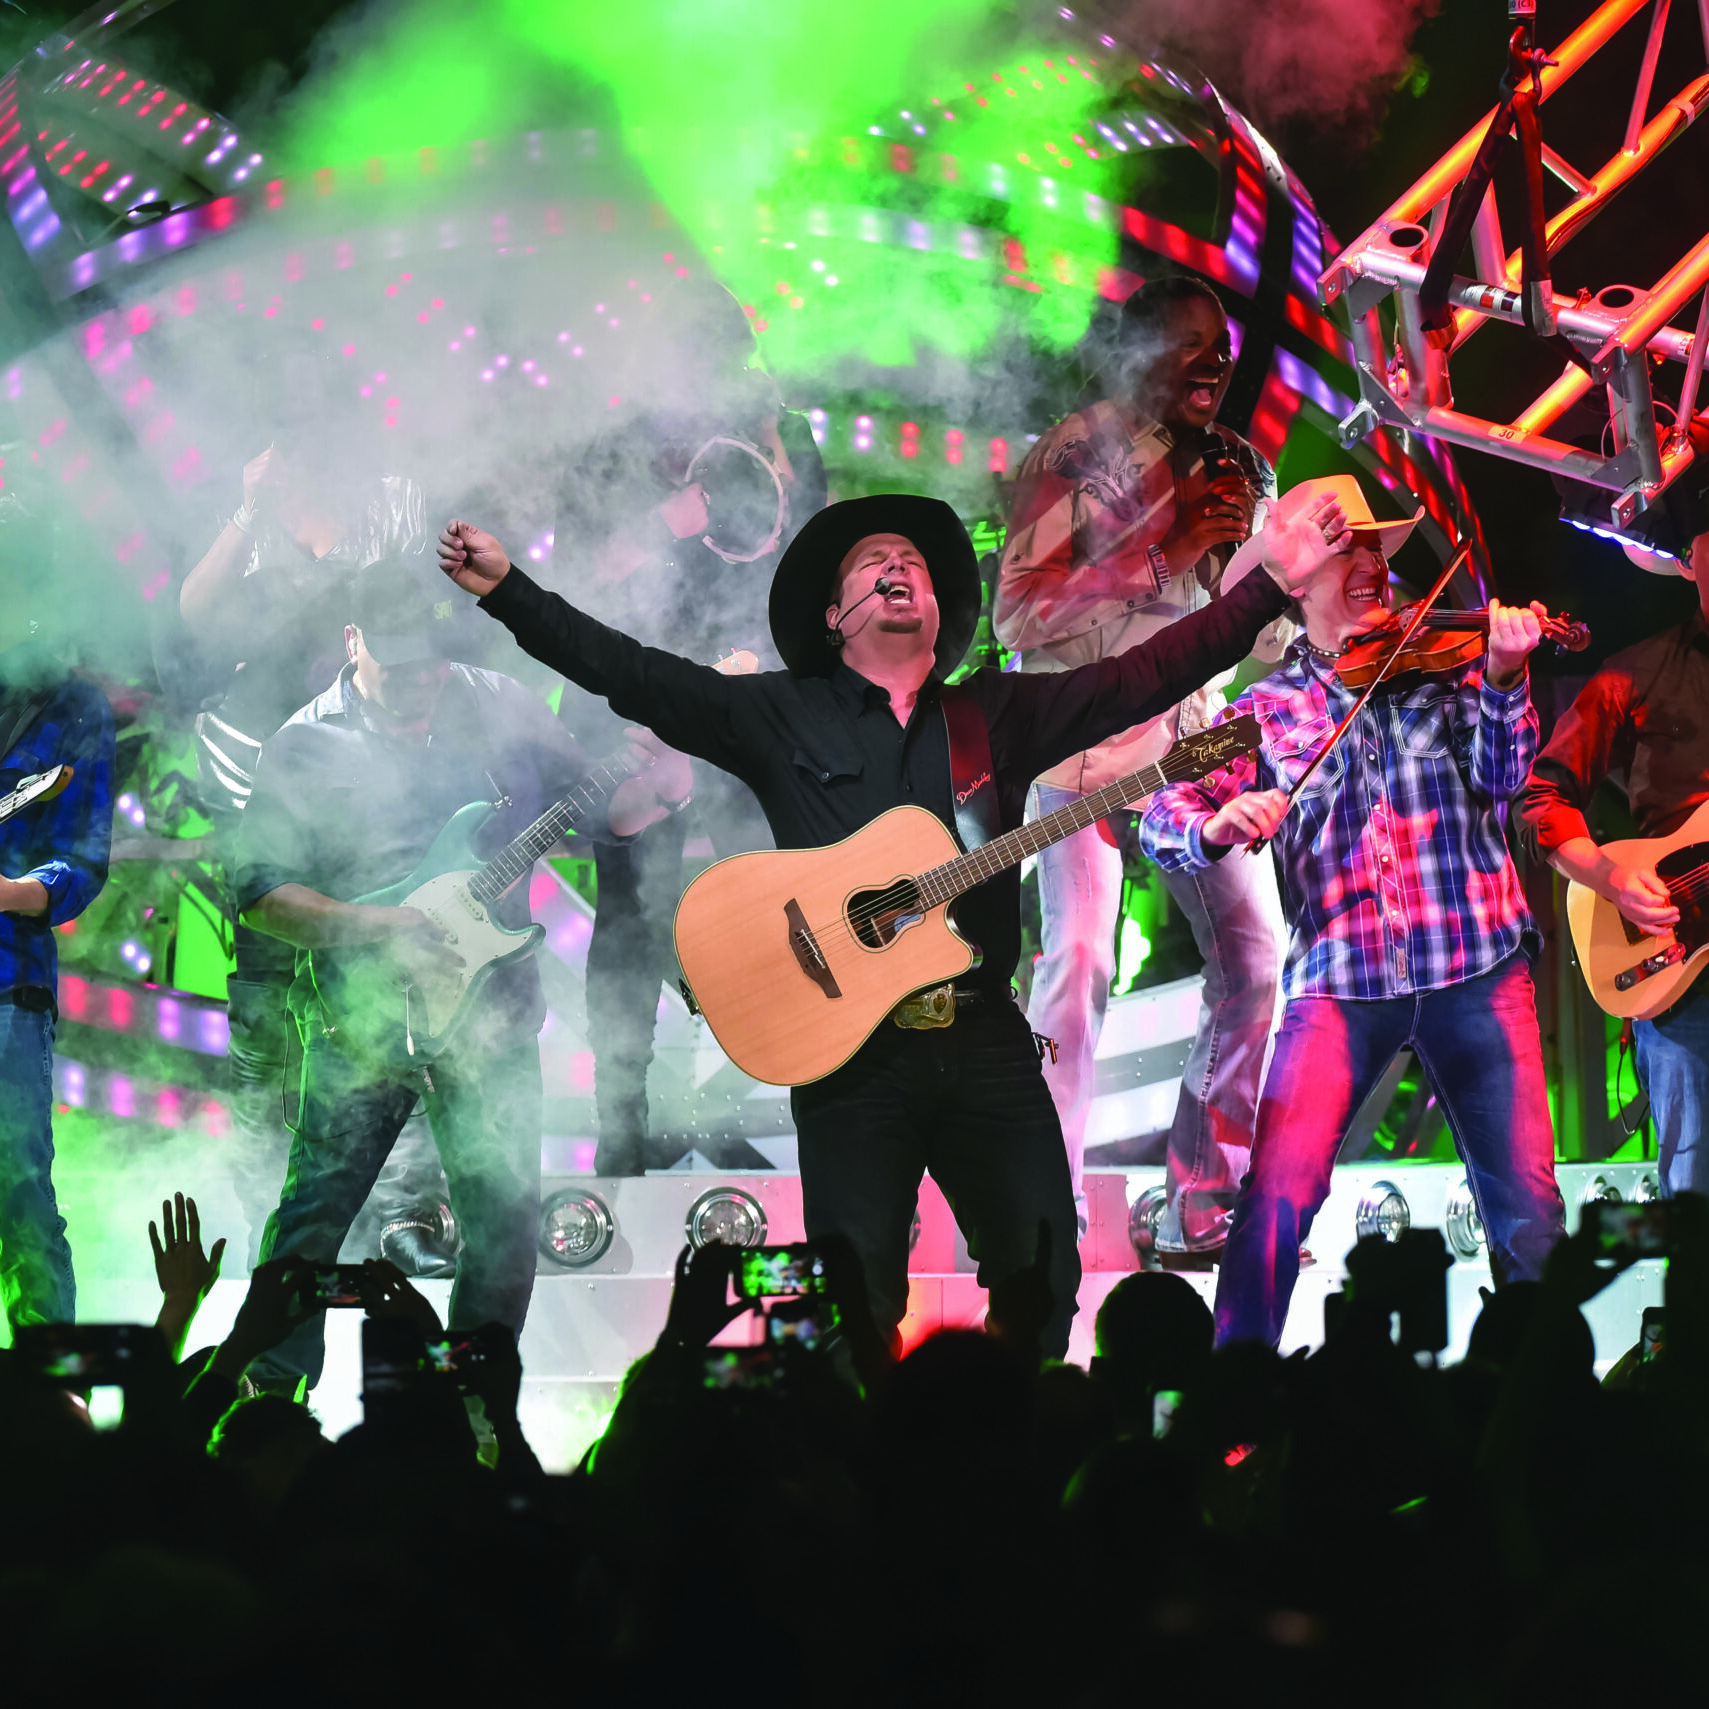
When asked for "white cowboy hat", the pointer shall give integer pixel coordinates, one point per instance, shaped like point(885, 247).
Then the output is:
point(1387, 537)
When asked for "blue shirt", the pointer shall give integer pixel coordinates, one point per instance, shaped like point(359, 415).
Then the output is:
point(1393, 861)
point(62, 843)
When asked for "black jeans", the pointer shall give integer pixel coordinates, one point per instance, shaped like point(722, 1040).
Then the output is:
point(483, 1101)
point(966, 1103)
point(627, 959)
point(261, 1047)
point(264, 1059)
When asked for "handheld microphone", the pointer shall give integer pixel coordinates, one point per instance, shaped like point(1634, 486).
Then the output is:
point(834, 636)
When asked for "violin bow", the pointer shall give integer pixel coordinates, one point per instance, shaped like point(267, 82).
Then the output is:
point(1370, 688)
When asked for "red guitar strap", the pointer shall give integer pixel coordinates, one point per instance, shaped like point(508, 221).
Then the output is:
point(972, 777)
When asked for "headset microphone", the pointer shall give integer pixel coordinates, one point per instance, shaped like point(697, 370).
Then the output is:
point(834, 636)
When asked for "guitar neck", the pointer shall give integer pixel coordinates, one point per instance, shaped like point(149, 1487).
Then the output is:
point(520, 853)
point(944, 883)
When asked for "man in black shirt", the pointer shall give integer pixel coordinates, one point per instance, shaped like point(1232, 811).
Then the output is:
point(851, 729)
point(349, 795)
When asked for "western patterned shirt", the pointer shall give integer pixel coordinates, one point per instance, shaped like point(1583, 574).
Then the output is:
point(1393, 861)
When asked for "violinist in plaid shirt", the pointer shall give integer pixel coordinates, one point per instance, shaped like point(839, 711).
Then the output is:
point(1408, 926)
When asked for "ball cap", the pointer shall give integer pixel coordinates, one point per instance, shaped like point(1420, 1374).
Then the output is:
point(805, 580)
point(1387, 537)
point(408, 612)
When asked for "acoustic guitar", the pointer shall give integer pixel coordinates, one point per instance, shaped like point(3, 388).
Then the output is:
point(1631, 973)
point(794, 956)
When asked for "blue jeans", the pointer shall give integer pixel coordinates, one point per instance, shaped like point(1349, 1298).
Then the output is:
point(1478, 1044)
point(36, 1283)
point(1673, 1059)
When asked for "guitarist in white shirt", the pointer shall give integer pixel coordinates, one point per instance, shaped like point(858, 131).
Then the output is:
point(349, 796)
point(1644, 717)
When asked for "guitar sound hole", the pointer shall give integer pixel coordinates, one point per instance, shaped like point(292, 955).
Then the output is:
point(879, 917)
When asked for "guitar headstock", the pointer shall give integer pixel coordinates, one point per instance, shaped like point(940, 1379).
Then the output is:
point(39, 786)
point(1212, 749)
point(738, 662)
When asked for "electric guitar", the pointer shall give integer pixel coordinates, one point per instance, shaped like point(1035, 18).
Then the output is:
point(794, 956)
point(1630, 972)
point(375, 1009)
point(39, 786)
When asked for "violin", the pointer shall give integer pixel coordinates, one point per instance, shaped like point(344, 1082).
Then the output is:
point(1418, 638)
point(1440, 641)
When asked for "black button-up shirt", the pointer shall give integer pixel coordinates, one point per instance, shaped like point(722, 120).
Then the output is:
point(825, 755)
point(1643, 718)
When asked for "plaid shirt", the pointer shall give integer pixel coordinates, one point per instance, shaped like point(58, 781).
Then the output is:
point(62, 843)
point(1394, 866)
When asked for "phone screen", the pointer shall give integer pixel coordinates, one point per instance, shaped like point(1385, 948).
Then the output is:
point(1632, 1230)
point(798, 1329)
point(90, 1355)
point(106, 1406)
point(774, 1271)
point(455, 1353)
point(392, 1357)
point(1653, 1336)
point(333, 1286)
point(740, 1367)
point(1163, 1405)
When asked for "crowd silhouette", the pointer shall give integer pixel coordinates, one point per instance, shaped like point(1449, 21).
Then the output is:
point(814, 1517)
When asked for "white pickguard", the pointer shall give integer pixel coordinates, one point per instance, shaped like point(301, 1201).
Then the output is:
point(473, 934)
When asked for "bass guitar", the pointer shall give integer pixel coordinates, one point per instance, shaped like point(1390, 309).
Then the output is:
point(1630, 972)
point(794, 956)
point(386, 1016)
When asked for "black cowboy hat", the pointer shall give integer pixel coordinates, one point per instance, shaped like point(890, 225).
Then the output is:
point(806, 577)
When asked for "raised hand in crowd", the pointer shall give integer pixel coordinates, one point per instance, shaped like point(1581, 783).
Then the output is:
point(494, 1377)
point(700, 1302)
point(185, 1275)
point(272, 1308)
point(387, 1292)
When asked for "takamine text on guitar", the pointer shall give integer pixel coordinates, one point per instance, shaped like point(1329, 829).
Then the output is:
point(795, 956)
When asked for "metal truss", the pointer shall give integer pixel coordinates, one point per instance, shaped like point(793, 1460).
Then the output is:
point(1604, 335)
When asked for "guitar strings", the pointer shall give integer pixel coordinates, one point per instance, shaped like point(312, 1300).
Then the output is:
point(849, 922)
